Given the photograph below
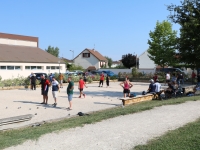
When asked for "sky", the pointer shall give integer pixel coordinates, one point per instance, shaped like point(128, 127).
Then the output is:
point(112, 27)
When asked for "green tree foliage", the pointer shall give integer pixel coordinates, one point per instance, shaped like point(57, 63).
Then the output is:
point(53, 51)
point(74, 67)
point(109, 61)
point(129, 60)
point(187, 15)
point(162, 44)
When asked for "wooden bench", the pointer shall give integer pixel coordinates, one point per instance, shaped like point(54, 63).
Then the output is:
point(137, 99)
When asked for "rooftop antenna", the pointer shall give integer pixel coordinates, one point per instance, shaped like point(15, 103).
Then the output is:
point(94, 47)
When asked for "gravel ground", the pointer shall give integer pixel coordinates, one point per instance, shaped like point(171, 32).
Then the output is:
point(120, 133)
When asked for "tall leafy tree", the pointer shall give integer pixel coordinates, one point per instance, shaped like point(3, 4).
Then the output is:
point(129, 60)
point(109, 61)
point(187, 15)
point(53, 51)
point(162, 44)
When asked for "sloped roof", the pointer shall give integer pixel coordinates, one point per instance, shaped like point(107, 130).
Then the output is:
point(25, 54)
point(95, 53)
point(65, 59)
point(91, 68)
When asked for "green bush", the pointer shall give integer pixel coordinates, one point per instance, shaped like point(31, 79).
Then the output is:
point(89, 80)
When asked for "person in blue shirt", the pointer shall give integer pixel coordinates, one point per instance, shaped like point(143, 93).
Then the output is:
point(50, 77)
point(152, 87)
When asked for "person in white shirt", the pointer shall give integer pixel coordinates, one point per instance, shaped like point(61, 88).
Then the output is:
point(55, 89)
point(158, 90)
point(167, 77)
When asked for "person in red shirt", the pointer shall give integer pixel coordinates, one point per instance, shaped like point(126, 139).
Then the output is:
point(155, 77)
point(45, 88)
point(81, 86)
point(193, 77)
point(101, 79)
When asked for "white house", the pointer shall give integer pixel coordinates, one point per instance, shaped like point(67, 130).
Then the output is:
point(90, 59)
point(20, 55)
point(116, 63)
point(146, 65)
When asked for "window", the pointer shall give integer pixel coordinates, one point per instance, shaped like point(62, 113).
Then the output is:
point(57, 67)
point(86, 54)
point(27, 67)
point(48, 67)
point(3, 67)
point(33, 67)
point(10, 67)
point(17, 68)
point(39, 67)
point(53, 67)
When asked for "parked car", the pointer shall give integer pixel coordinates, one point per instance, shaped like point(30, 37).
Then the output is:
point(166, 70)
point(98, 72)
point(38, 75)
point(110, 73)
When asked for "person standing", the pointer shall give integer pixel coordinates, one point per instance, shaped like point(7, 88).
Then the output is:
point(45, 88)
point(33, 82)
point(167, 77)
point(126, 86)
point(155, 77)
point(70, 89)
point(198, 79)
point(84, 78)
point(61, 79)
point(193, 77)
point(55, 89)
point(51, 77)
point(107, 80)
point(101, 79)
point(81, 85)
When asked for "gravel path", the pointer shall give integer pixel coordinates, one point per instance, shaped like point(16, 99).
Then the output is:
point(120, 133)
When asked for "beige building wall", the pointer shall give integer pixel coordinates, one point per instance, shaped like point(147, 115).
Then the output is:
point(25, 69)
point(18, 42)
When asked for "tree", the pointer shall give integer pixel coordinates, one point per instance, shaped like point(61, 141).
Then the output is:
point(129, 60)
point(162, 44)
point(109, 61)
point(53, 51)
point(187, 15)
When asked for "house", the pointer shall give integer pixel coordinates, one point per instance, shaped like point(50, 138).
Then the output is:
point(90, 59)
point(20, 55)
point(67, 60)
point(146, 65)
point(116, 63)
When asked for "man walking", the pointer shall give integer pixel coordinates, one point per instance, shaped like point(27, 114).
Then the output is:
point(45, 88)
point(101, 79)
point(61, 80)
point(55, 89)
point(70, 89)
point(81, 86)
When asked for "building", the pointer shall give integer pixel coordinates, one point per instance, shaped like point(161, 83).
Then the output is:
point(21, 55)
point(116, 63)
point(90, 59)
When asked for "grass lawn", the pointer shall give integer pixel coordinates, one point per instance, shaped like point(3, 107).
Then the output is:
point(184, 138)
point(15, 137)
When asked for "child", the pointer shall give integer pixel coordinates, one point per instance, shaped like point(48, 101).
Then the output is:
point(107, 80)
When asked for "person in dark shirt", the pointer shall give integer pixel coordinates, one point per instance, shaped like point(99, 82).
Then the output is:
point(107, 80)
point(45, 88)
point(198, 79)
point(152, 87)
point(33, 82)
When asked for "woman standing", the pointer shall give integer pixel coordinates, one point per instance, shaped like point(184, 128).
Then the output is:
point(126, 86)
